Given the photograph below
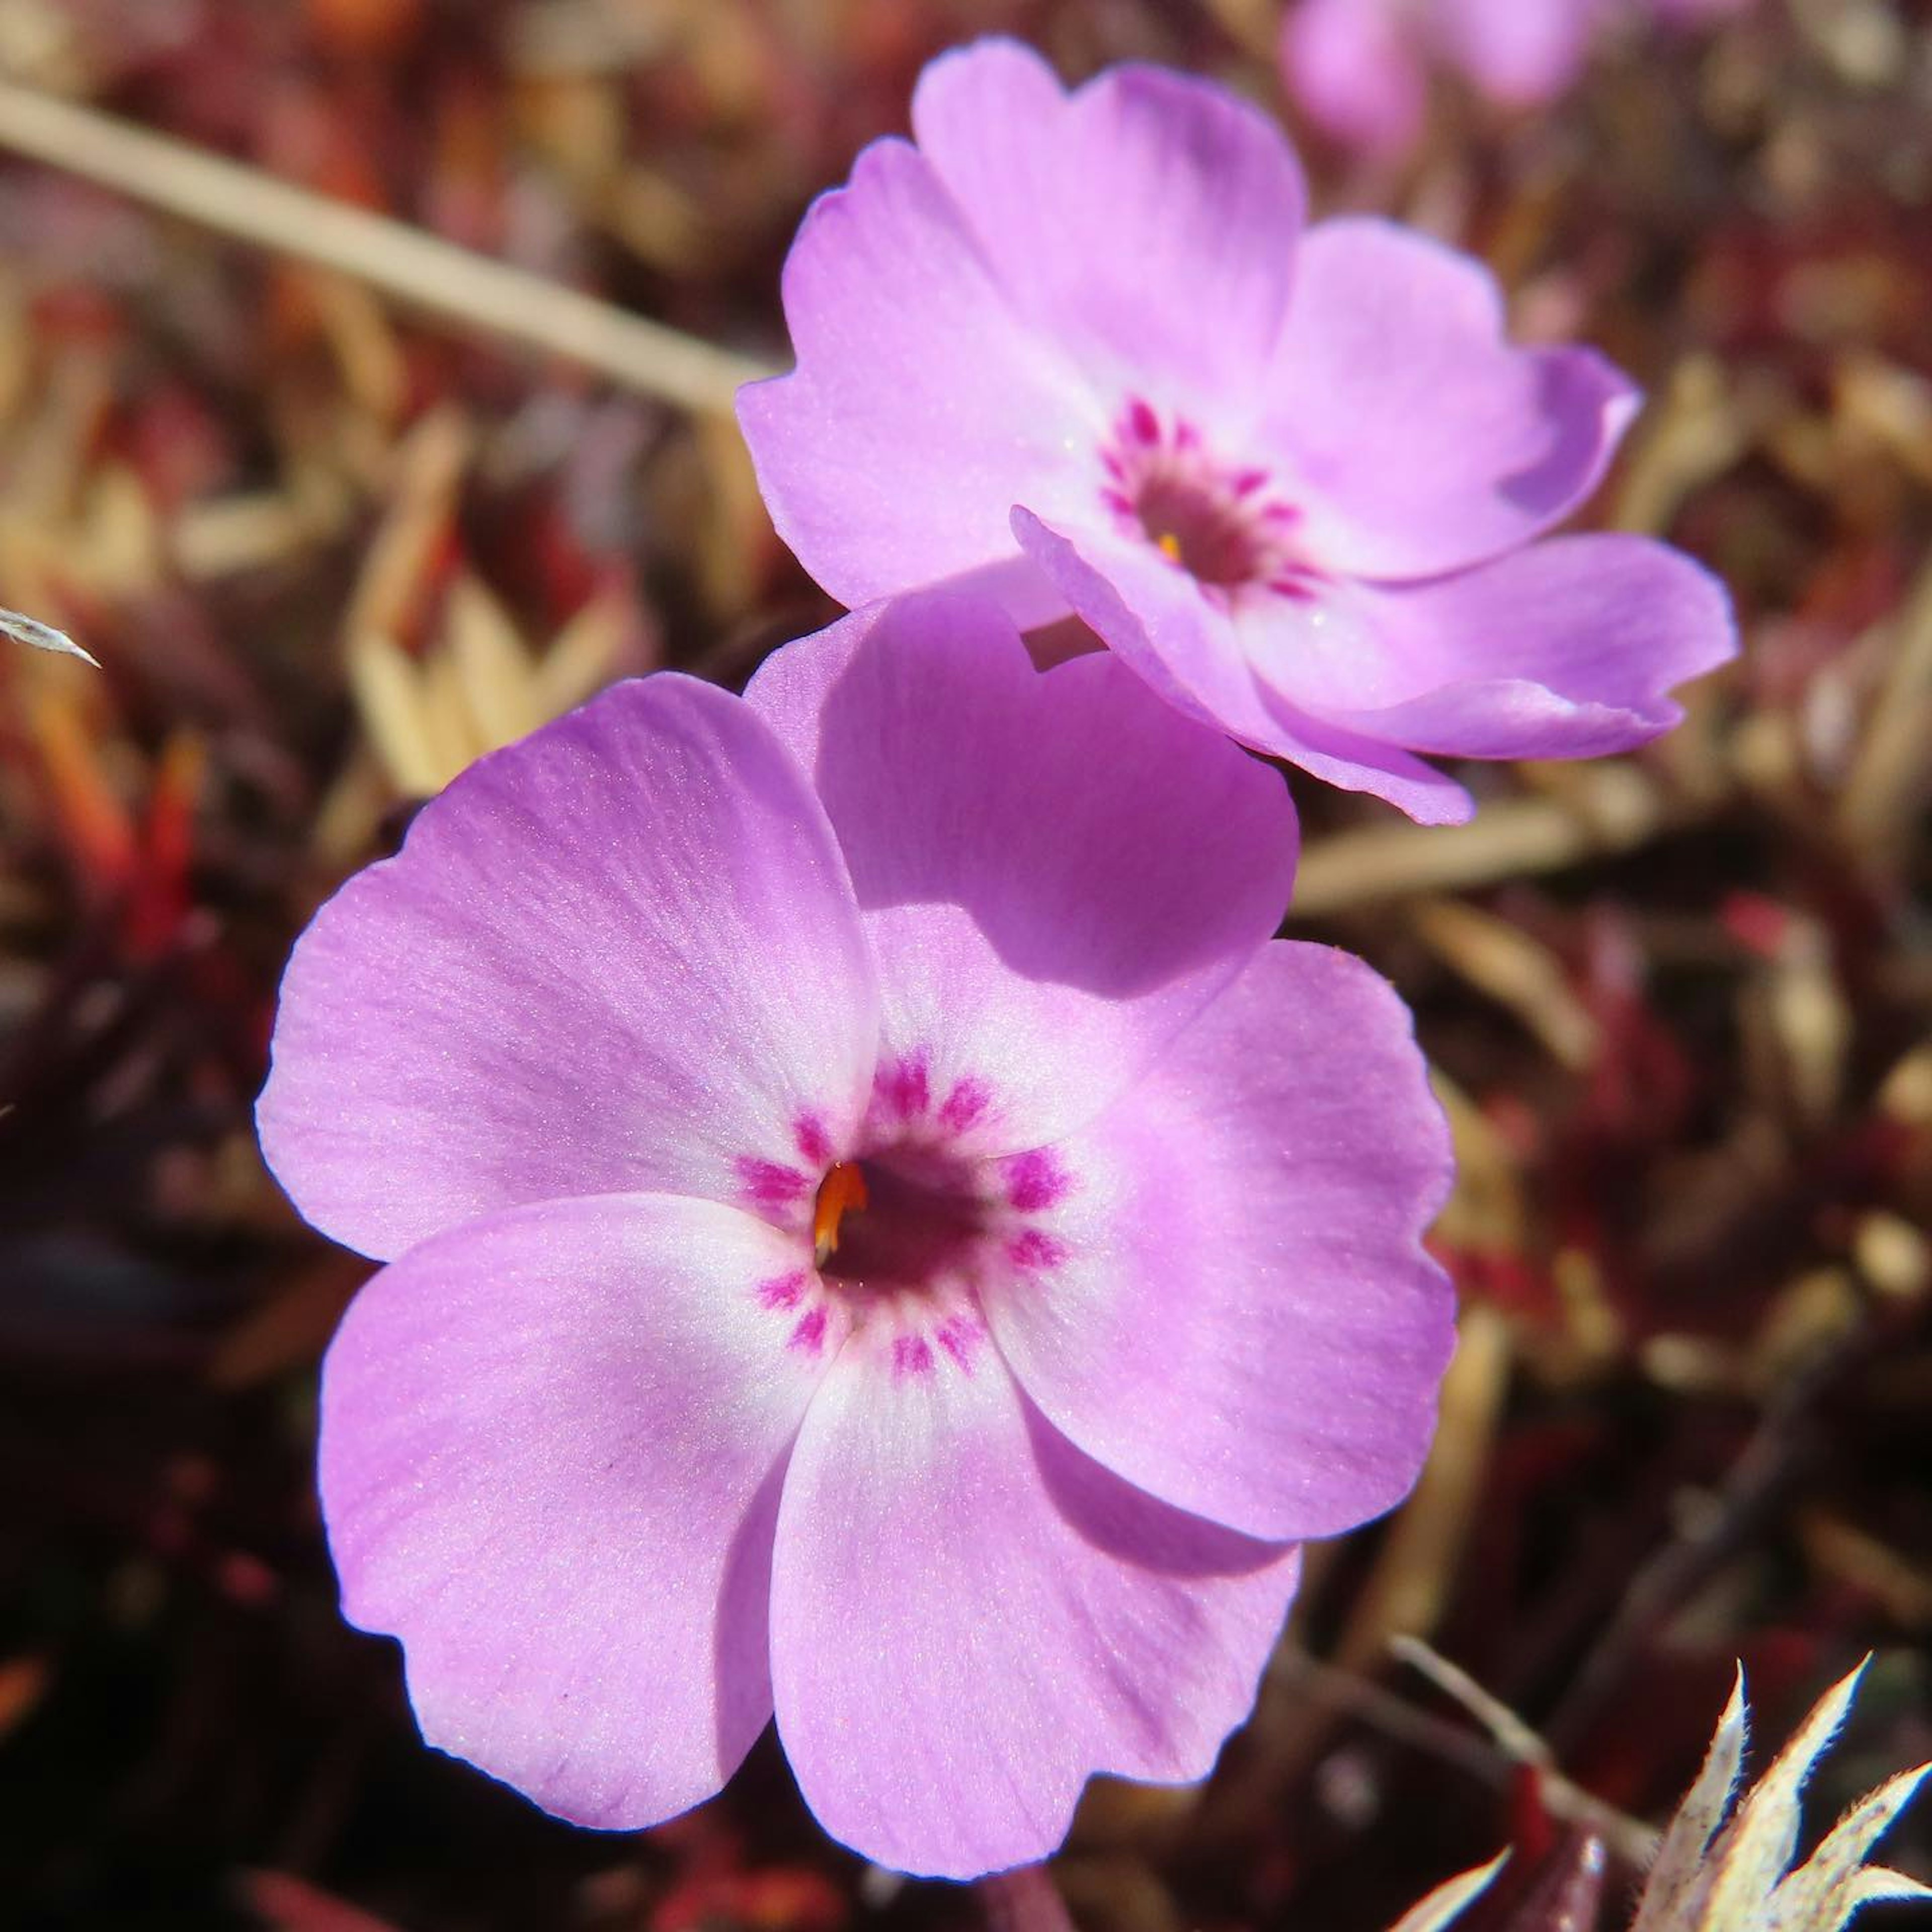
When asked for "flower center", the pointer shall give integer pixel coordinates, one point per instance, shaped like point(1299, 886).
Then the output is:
point(842, 1191)
point(923, 1215)
point(1228, 527)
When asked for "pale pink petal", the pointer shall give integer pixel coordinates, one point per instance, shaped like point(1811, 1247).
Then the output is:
point(621, 955)
point(1352, 762)
point(1056, 870)
point(551, 1443)
point(1158, 619)
point(1231, 1307)
point(1565, 649)
point(1423, 441)
point(1147, 223)
point(1518, 53)
point(1353, 67)
point(1202, 661)
point(922, 407)
point(969, 1617)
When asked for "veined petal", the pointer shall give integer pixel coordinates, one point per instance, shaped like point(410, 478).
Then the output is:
point(1146, 222)
point(1424, 440)
point(551, 1448)
point(1055, 870)
point(622, 954)
point(1567, 648)
point(969, 1617)
point(922, 407)
point(1159, 620)
point(1234, 1310)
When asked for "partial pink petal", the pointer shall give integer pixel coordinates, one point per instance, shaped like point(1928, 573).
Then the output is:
point(922, 407)
point(1565, 649)
point(1237, 1314)
point(1056, 870)
point(969, 1617)
point(1158, 619)
point(1518, 53)
point(1425, 441)
point(621, 955)
point(1353, 67)
point(1351, 762)
point(1200, 659)
point(1147, 223)
point(550, 1449)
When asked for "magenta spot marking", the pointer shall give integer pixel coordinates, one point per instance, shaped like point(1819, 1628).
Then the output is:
point(814, 1141)
point(769, 1183)
point(1142, 423)
point(1186, 436)
point(1035, 1181)
point(967, 1101)
point(1032, 1248)
point(1114, 467)
point(901, 1088)
point(809, 1335)
point(959, 1337)
point(911, 1355)
point(1247, 482)
point(1121, 505)
point(784, 1291)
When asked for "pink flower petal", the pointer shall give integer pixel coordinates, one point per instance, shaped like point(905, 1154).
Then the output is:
point(1055, 870)
point(550, 1458)
point(1424, 440)
point(1156, 618)
point(1146, 223)
point(1354, 67)
point(969, 1617)
point(1565, 649)
point(622, 954)
point(921, 407)
point(1518, 53)
point(1238, 1316)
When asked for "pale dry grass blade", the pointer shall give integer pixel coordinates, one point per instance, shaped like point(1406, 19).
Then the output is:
point(1823, 1892)
point(43, 636)
point(1751, 1853)
point(1680, 1859)
point(1449, 1901)
point(470, 291)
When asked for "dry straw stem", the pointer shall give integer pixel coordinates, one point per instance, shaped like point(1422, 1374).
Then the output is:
point(1613, 807)
point(429, 275)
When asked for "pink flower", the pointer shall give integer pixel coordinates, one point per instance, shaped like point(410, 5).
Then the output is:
point(1359, 67)
point(1076, 350)
point(877, 1229)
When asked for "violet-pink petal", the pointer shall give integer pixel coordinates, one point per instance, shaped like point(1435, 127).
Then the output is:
point(969, 1617)
point(1155, 618)
point(1518, 53)
point(622, 954)
point(1056, 870)
point(1567, 648)
point(551, 1447)
point(1423, 440)
point(1237, 1315)
point(1353, 67)
point(1146, 223)
point(922, 406)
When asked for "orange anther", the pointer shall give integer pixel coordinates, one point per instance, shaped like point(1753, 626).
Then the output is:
point(841, 1191)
